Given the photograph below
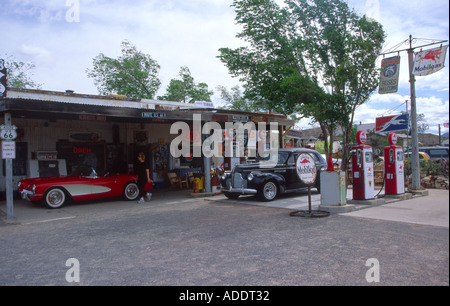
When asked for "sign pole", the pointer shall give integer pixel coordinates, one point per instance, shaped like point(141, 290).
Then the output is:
point(309, 199)
point(9, 179)
point(307, 173)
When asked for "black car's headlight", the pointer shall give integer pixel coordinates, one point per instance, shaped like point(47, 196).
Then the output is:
point(250, 176)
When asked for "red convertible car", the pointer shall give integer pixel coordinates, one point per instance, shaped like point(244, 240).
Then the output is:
point(57, 191)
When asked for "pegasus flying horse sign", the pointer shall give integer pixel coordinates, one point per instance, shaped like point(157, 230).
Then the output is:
point(429, 61)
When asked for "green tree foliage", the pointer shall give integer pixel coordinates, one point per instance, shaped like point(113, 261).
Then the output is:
point(133, 74)
point(186, 90)
point(236, 100)
point(19, 74)
point(310, 58)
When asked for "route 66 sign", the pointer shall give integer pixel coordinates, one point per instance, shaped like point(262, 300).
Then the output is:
point(2, 79)
point(8, 132)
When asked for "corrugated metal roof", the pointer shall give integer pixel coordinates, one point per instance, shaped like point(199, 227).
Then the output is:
point(85, 99)
point(27, 101)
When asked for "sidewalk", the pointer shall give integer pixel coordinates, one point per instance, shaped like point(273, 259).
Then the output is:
point(428, 210)
point(431, 209)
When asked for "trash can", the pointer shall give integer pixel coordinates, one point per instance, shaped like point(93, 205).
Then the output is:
point(333, 188)
point(198, 182)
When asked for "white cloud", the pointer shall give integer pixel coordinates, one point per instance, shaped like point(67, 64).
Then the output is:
point(39, 54)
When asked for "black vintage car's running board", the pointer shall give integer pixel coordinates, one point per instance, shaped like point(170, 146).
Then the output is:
point(242, 191)
point(296, 190)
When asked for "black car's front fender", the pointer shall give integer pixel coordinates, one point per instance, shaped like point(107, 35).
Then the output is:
point(259, 179)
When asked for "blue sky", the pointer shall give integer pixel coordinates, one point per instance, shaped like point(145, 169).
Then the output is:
point(189, 33)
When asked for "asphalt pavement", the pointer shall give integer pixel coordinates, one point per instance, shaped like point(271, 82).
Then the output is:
point(177, 240)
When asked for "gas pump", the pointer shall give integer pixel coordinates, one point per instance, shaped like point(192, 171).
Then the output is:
point(394, 167)
point(362, 168)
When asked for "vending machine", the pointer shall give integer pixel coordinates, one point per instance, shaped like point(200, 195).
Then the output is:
point(160, 163)
point(362, 169)
point(394, 167)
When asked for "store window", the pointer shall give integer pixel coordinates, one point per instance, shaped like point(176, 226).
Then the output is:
point(80, 155)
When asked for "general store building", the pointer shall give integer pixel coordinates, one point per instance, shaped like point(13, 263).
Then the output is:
point(59, 131)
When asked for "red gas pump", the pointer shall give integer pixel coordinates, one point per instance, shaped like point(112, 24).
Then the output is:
point(362, 169)
point(394, 167)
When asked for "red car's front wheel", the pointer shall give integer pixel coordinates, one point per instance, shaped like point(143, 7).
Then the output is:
point(131, 192)
point(55, 198)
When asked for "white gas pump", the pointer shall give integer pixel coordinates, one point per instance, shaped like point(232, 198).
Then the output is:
point(394, 167)
point(362, 170)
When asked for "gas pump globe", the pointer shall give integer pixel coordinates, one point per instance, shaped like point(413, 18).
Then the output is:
point(394, 167)
point(362, 168)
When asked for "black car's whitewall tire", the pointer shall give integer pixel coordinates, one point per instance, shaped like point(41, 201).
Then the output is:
point(269, 191)
point(55, 198)
point(131, 192)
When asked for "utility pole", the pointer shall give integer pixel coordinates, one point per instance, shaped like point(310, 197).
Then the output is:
point(415, 165)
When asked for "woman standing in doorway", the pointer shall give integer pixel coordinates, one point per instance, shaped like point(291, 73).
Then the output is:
point(142, 169)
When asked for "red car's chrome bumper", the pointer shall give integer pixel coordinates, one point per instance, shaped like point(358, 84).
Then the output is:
point(27, 194)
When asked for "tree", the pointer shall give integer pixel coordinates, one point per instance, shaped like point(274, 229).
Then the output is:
point(343, 51)
point(133, 74)
point(313, 57)
point(19, 74)
point(422, 124)
point(186, 90)
point(236, 100)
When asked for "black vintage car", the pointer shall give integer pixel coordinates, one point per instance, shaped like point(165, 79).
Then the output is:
point(269, 182)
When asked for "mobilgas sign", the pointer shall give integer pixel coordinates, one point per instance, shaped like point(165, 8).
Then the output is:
point(429, 61)
point(306, 168)
point(2, 79)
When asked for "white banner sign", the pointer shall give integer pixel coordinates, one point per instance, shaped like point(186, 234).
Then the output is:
point(429, 61)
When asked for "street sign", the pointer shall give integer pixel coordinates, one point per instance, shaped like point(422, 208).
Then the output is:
point(8, 132)
point(8, 150)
